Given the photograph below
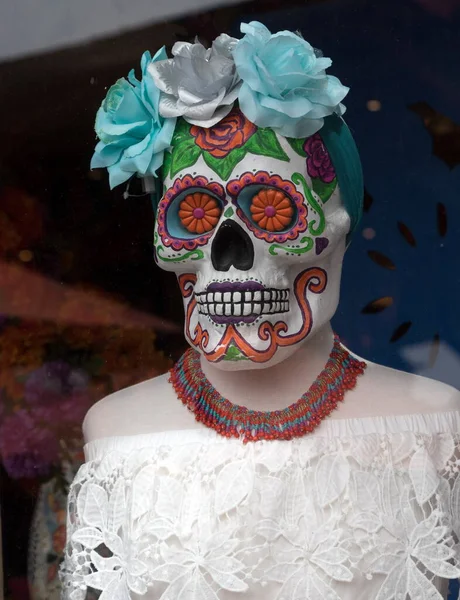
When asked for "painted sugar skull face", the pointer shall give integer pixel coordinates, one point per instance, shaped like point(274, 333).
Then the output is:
point(253, 225)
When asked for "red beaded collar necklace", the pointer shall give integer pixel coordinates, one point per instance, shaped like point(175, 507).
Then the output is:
point(231, 420)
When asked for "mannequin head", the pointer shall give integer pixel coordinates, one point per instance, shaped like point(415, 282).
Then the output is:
point(255, 225)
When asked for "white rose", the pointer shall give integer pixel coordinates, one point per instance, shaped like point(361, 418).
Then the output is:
point(198, 84)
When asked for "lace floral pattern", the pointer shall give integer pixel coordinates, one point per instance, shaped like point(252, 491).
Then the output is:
point(309, 519)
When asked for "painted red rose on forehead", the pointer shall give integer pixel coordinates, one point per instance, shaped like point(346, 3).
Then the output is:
point(232, 132)
point(319, 162)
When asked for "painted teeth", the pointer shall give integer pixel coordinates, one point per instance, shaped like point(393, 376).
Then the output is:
point(243, 304)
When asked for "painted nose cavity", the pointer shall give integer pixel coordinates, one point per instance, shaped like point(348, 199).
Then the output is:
point(232, 246)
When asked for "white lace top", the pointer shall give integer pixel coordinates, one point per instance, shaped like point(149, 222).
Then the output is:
point(360, 509)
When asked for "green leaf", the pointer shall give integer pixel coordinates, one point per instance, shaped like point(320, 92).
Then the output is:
point(166, 164)
point(224, 166)
point(181, 132)
point(315, 226)
point(265, 143)
point(184, 155)
point(297, 145)
point(324, 190)
point(233, 353)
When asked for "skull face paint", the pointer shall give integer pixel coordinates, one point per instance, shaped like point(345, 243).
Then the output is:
point(254, 227)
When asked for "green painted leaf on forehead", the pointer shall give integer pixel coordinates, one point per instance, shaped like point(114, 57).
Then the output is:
point(222, 146)
point(165, 169)
point(224, 166)
point(297, 146)
point(265, 143)
point(184, 155)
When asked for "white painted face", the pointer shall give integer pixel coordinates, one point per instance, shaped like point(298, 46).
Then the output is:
point(254, 227)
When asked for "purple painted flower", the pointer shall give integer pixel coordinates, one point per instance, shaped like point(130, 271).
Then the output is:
point(319, 163)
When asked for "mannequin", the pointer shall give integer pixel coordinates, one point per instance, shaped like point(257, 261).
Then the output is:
point(255, 220)
point(153, 406)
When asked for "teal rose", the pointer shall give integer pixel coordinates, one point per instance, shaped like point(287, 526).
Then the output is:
point(285, 85)
point(133, 135)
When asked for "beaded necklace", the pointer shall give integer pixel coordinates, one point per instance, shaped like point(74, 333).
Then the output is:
point(231, 420)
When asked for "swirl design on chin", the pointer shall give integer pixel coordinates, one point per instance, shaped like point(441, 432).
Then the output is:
point(312, 280)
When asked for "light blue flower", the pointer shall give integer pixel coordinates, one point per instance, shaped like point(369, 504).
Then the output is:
point(285, 85)
point(133, 136)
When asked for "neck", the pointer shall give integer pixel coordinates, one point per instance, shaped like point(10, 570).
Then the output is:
point(279, 386)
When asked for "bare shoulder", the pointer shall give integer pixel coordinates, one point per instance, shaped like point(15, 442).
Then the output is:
point(385, 391)
point(146, 407)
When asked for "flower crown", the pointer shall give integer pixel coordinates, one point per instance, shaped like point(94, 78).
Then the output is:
point(279, 81)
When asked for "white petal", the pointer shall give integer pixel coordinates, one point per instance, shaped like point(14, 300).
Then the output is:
point(203, 110)
point(332, 475)
point(168, 572)
point(90, 537)
point(105, 564)
point(234, 482)
point(441, 448)
point(274, 455)
point(136, 584)
point(420, 586)
point(455, 510)
point(271, 493)
point(218, 456)
point(95, 509)
point(164, 75)
point(160, 528)
point(187, 98)
point(142, 490)
point(192, 507)
point(117, 590)
point(339, 572)
point(197, 587)
point(218, 115)
point(117, 507)
point(367, 521)
point(170, 497)
point(224, 44)
point(365, 490)
point(136, 567)
point(269, 529)
point(168, 106)
point(114, 543)
point(390, 494)
point(395, 583)
point(101, 580)
point(384, 563)
point(227, 581)
point(423, 474)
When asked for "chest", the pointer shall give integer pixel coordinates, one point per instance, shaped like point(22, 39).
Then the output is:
point(312, 519)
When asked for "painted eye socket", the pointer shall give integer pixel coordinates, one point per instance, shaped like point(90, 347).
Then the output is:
point(272, 210)
point(199, 213)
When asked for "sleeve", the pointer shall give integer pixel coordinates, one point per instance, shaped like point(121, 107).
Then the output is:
point(86, 518)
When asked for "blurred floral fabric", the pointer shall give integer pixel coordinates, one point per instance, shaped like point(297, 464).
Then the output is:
point(50, 375)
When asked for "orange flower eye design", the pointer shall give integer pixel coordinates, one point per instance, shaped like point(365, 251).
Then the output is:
point(199, 213)
point(272, 210)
